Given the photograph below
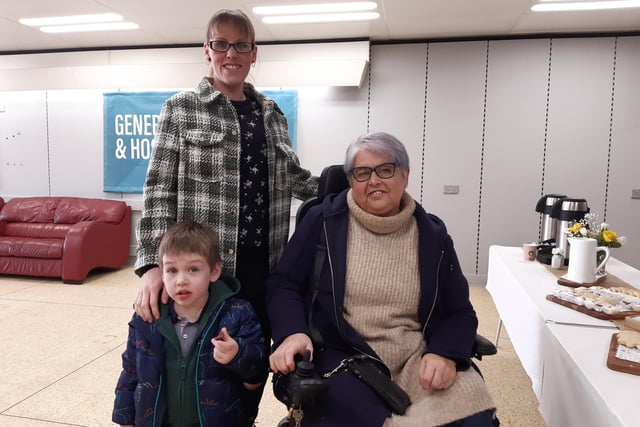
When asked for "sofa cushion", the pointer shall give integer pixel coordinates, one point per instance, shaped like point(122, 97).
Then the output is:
point(29, 209)
point(31, 248)
point(71, 210)
point(36, 230)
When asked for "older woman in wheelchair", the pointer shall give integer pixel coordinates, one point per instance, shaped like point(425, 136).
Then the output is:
point(371, 290)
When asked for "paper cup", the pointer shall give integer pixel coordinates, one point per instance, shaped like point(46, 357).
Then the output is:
point(529, 251)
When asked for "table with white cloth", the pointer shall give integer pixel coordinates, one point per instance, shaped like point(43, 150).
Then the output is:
point(566, 363)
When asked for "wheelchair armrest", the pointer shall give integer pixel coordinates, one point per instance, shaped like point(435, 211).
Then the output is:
point(483, 347)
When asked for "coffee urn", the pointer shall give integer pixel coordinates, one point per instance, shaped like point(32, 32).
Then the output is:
point(549, 228)
point(567, 211)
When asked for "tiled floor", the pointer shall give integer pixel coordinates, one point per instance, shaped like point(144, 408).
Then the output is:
point(61, 347)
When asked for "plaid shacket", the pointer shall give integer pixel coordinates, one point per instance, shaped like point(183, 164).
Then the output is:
point(194, 172)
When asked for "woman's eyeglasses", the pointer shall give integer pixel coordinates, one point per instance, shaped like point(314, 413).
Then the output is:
point(384, 171)
point(240, 47)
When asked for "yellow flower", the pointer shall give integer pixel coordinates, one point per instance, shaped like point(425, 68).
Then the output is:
point(575, 228)
point(609, 236)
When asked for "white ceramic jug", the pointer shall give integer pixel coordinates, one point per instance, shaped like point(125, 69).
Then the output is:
point(582, 262)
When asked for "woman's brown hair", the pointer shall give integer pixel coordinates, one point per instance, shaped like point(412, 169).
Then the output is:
point(234, 17)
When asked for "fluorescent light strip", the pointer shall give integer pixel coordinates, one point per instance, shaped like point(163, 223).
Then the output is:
point(107, 26)
point(592, 5)
point(69, 20)
point(326, 17)
point(315, 8)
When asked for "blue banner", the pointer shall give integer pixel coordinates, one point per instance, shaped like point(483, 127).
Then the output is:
point(130, 120)
point(287, 100)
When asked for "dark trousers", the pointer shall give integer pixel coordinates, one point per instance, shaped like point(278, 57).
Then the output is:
point(252, 270)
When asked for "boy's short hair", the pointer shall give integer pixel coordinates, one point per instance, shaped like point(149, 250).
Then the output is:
point(191, 237)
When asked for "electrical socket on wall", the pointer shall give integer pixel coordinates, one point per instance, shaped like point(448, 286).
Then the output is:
point(453, 189)
point(635, 193)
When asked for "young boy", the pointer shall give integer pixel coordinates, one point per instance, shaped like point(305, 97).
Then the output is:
point(190, 366)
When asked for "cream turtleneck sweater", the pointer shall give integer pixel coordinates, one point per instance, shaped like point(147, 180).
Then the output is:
point(382, 283)
point(382, 290)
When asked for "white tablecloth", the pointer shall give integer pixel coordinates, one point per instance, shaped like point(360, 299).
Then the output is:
point(578, 389)
point(546, 350)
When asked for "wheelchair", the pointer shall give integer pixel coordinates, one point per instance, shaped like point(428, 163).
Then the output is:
point(301, 387)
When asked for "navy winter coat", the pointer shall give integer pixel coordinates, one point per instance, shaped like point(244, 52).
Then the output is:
point(449, 331)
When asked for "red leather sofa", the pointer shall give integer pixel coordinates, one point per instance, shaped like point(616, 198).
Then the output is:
point(64, 237)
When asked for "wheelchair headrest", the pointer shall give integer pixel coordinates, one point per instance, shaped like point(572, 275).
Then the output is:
point(332, 180)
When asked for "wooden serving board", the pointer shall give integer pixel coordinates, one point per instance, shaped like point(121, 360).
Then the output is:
point(572, 284)
point(597, 314)
point(607, 280)
point(620, 365)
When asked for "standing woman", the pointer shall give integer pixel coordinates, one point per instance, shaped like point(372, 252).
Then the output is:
point(222, 156)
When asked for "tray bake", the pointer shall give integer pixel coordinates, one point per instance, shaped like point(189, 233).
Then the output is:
point(599, 302)
point(621, 365)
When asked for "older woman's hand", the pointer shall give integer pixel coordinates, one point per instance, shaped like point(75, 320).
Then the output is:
point(282, 359)
point(437, 372)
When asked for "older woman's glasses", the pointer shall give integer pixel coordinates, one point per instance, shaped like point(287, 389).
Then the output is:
point(384, 171)
point(222, 46)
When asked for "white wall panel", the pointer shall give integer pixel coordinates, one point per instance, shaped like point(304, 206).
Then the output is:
point(622, 212)
point(24, 151)
point(397, 100)
point(76, 143)
point(514, 144)
point(328, 120)
point(453, 143)
point(579, 117)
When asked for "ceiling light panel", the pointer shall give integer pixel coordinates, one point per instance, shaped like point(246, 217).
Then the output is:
point(585, 5)
point(106, 26)
point(320, 17)
point(70, 20)
point(315, 8)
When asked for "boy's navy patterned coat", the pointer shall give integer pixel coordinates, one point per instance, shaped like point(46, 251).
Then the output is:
point(141, 397)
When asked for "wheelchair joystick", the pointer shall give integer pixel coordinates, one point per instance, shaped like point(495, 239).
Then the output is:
point(305, 385)
point(304, 367)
